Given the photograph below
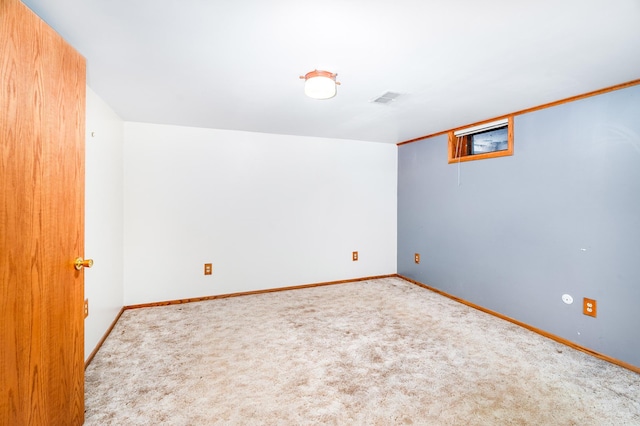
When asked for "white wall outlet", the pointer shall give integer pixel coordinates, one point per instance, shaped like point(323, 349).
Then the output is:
point(566, 298)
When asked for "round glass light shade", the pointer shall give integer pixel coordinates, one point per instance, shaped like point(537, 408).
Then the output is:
point(320, 87)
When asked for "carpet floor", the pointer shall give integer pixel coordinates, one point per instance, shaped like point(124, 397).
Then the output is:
point(378, 352)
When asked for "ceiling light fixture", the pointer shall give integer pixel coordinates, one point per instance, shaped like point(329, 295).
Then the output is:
point(320, 84)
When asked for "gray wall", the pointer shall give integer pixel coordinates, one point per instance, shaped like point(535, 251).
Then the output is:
point(513, 234)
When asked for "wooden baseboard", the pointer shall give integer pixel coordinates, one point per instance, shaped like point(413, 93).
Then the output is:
point(248, 293)
point(99, 345)
point(541, 332)
point(221, 296)
point(435, 290)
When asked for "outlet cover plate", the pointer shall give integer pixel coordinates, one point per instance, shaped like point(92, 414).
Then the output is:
point(589, 307)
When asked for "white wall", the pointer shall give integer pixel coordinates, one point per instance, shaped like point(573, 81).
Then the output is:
point(103, 218)
point(267, 210)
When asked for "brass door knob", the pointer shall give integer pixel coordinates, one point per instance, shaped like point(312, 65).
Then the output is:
point(79, 263)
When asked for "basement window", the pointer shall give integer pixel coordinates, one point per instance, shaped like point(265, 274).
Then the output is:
point(487, 140)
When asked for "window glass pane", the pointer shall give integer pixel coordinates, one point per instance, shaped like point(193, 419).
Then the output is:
point(490, 141)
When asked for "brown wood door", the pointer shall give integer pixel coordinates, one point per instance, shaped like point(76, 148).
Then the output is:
point(42, 107)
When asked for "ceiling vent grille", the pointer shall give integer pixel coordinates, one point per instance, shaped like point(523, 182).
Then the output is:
point(386, 98)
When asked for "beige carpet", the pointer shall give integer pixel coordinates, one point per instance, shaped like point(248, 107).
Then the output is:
point(380, 352)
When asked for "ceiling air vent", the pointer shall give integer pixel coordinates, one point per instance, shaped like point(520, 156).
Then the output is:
point(386, 98)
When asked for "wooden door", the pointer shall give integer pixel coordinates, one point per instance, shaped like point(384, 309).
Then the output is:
point(42, 107)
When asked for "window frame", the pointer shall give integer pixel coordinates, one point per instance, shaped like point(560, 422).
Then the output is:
point(453, 143)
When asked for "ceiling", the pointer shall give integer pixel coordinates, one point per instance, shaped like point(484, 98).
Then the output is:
point(236, 64)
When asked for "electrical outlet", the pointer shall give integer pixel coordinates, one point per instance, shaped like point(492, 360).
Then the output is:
point(86, 308)
point(589, 307)
point(416, 258)
point(354, 256)
point(208, 268)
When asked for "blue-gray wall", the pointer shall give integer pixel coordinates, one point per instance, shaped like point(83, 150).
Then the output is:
point(513, 234)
